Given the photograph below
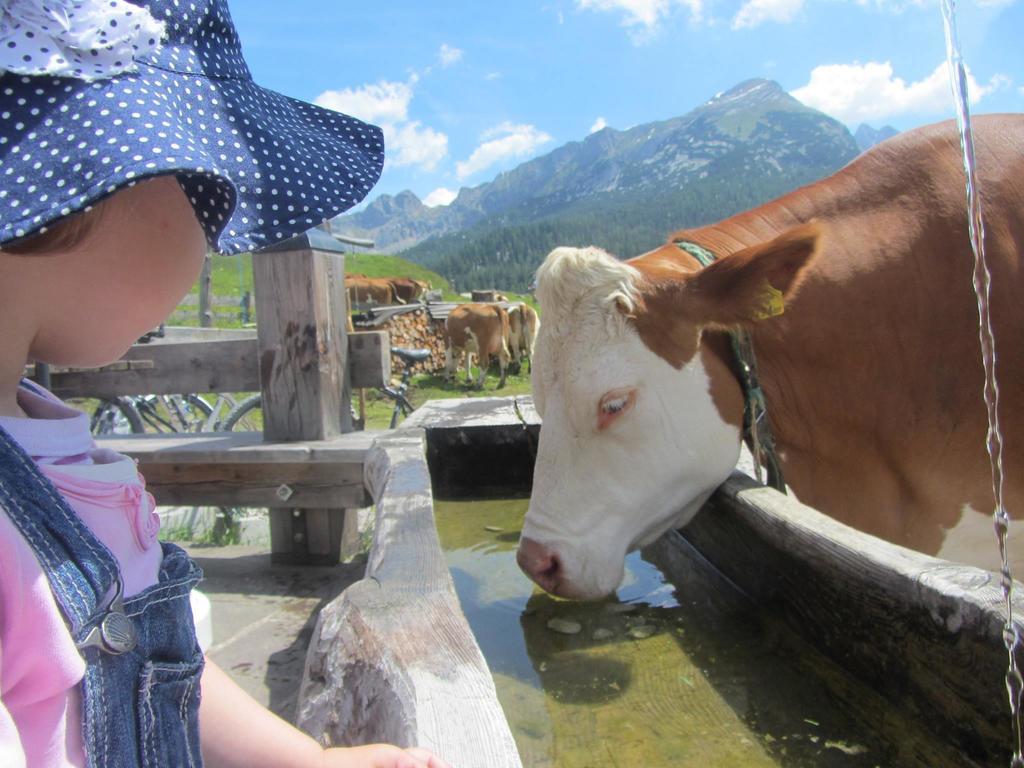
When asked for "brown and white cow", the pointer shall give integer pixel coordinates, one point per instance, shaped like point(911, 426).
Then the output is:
point(872, 374)
point(522, 332)
point(476, 329)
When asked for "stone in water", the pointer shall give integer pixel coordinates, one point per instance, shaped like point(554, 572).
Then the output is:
point(565, 626)
point(643, 631)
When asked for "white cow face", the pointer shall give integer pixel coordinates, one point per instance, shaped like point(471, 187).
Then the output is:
point(630, 446)
point(635, 436)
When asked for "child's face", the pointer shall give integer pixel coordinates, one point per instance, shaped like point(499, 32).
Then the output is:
point(123, 279)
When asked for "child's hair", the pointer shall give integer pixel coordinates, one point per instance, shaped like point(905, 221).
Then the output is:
point(65, 234)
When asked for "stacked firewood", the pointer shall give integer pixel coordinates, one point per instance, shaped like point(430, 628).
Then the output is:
point(416, 330)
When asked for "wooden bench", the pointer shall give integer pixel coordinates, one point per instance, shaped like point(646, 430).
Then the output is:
point(311, 482)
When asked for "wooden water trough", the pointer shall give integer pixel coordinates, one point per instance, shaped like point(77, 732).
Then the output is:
point(393, 659)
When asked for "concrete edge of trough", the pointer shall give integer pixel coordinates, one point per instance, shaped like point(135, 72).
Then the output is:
point(392, 659)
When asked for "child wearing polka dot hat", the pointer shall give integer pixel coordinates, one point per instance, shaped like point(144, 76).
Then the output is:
point(132, 139)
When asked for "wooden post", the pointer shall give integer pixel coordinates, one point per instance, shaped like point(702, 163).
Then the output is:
point(246, 308)
point(300, 306)
point(205, 294)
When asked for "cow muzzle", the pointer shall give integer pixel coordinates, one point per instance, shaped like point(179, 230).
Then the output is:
point(541, 564)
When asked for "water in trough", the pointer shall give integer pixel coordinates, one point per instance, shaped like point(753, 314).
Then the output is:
point(660, 675)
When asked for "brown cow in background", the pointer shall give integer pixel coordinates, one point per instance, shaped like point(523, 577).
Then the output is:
point(522, 332)
point(407, 289)
point(480, 329)
point(371, 290)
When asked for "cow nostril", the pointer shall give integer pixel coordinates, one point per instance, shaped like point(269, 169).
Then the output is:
point(541, 564)
point(549, 571)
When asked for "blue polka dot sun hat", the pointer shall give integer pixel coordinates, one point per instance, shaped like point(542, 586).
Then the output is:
point(96, 95)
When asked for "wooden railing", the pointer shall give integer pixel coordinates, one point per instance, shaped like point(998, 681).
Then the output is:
point(307, 464)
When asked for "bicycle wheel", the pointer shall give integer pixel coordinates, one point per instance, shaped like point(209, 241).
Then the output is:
point(116, 417)
point(188, 413)
point(247, 416)
point(173, 413)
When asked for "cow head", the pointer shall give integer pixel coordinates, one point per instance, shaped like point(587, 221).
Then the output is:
point(641, 420)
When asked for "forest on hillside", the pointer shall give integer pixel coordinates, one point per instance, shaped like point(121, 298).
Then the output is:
point(505, 254)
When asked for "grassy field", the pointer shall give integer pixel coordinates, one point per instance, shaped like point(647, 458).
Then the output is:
point(386, 265)
point(231, 277)
point(429, 386)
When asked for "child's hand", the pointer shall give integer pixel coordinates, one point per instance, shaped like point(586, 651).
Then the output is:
point(382, 756)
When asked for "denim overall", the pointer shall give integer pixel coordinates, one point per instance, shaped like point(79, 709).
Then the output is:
point(140, 693)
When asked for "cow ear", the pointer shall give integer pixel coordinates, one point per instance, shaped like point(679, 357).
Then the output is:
point(624, 305)
point(754, 283)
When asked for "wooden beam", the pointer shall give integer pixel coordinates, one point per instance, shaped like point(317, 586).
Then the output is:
point(277, 486)
point(204, 360)
point(369, 358)
point(206, 293)
point(237, 469)
point(167, 368)
point(239, 448)
point(304, 380)
point(392, 658)
point(300, 302)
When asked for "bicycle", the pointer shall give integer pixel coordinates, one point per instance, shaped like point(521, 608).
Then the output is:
point(402, 405)
point(248, 415)
point(137, 414)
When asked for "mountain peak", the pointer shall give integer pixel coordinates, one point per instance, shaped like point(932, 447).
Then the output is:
point(756, 88)
point(755, 129)
point(866, 136)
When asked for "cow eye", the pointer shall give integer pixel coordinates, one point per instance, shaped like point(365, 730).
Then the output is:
point(613, 405)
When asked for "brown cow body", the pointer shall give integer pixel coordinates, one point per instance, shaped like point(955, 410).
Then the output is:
point(476, 329)
point(407, 289)
point(522, 332)
point(872, 375)
point(370, 290)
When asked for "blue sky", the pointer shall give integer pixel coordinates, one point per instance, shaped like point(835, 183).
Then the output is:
point(465, 90)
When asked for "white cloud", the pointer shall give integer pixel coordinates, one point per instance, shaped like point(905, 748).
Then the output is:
point(646, 13)
point(642, 16)
point(854, 93)
point(893, 6)
point(756, 12)
point(501, 143)
point(598, 125)
point(384, 102)
point(492, 76)
point(449, 55)
point(440, 196)
point(412, 144)
point(387, 104)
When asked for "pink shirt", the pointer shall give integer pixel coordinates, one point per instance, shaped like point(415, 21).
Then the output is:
point(40, 668)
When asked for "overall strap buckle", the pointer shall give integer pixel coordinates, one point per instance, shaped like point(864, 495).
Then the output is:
point(115, 633)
